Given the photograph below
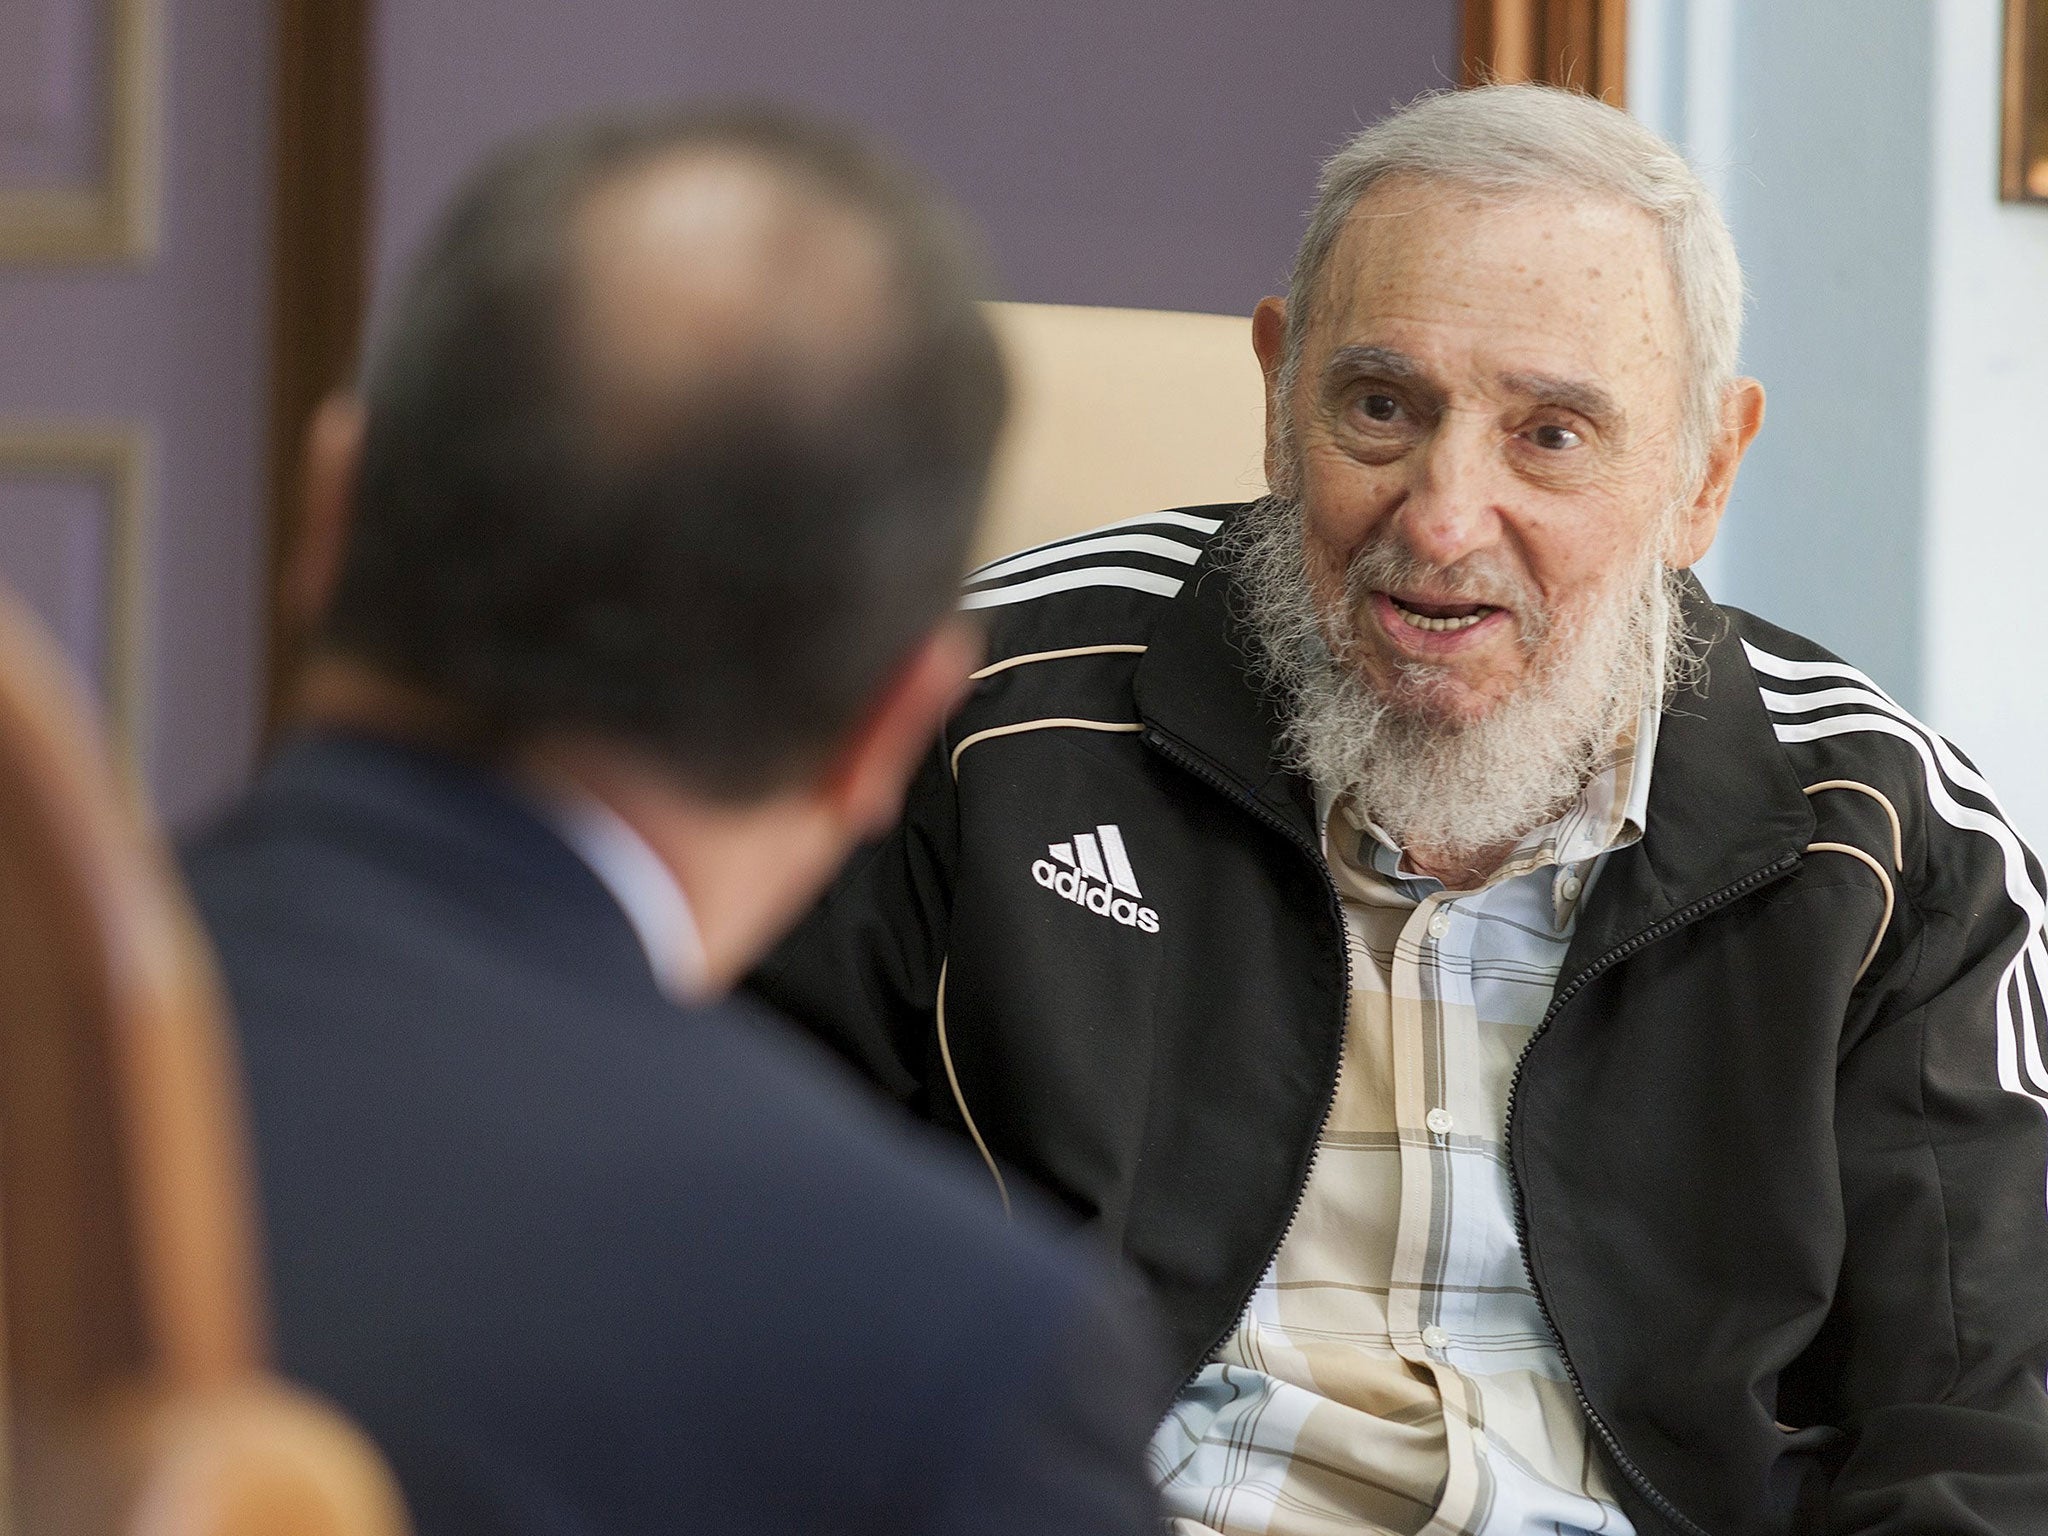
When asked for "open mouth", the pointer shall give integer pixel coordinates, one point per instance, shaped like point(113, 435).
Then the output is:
point(1438, 617)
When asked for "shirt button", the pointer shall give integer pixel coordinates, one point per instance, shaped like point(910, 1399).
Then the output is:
point(1439, 1121)
point(1439, 923)
point(1569, 888)
point(1434, 1337)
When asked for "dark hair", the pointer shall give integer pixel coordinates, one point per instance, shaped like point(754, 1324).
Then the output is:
point(729, 595)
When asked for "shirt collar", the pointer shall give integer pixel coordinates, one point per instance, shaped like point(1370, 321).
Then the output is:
point(638, 881)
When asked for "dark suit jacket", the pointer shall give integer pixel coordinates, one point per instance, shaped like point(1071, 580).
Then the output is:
point(583, 1261)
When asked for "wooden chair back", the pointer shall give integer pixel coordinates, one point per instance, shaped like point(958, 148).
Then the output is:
point(135, 1397)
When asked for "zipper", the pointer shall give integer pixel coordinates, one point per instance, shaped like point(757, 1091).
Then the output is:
point(1235, 793)
point(1565, 994)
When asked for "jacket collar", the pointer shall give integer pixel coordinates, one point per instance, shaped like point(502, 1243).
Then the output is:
point(1724, 803)
point(453, 825)
point(1194, 689)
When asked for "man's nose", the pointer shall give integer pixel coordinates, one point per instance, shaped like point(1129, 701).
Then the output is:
point(1451, 508)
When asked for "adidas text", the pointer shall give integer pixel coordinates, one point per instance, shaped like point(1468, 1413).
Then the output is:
point(1094, 871)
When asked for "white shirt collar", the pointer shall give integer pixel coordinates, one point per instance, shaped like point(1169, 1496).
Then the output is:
point(639, 882)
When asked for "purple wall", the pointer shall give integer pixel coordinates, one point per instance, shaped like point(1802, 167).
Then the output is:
point(1141, 152)
point(1156, 153)
point(174, 347)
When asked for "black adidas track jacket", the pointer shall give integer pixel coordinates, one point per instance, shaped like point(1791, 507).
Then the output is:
point(1780, 1149)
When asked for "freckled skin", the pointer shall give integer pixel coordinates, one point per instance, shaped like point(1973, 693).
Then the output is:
point(1527, 436)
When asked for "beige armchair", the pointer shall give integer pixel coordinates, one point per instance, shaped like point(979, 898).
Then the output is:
point(1120, 412)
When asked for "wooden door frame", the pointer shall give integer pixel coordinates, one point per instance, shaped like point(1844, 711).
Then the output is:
point(1582, 44)
point(319, 268)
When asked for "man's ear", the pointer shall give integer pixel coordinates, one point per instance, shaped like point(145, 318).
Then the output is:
point(312, 565)
point(1742, 416)
point(1269, 341)
point(864, 784)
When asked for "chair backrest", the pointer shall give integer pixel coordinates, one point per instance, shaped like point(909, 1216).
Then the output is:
point(135, 1397)
point(1120, 412)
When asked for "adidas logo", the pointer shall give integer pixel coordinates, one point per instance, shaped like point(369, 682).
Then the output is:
point(1094, 871)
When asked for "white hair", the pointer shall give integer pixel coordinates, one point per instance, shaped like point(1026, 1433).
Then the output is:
point(1507, 141)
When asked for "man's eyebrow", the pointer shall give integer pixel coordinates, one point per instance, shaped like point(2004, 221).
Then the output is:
point(1588, 399)
point(1362, 362)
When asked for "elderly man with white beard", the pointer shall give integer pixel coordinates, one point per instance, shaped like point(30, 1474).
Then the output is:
point(1561, 1055)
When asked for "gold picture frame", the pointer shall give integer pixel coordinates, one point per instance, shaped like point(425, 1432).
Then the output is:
point(116, 457)
point(113, 218)
point(2023, 169)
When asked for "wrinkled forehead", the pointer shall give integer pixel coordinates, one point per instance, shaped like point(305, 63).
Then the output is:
point(1556, 282)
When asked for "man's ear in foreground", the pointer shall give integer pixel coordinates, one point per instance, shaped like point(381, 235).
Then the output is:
point(865, 779)
point(312, 565)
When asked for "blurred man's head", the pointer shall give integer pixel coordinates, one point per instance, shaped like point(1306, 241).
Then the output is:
point(676, 432)
point(672, 443)
point(1502, 412)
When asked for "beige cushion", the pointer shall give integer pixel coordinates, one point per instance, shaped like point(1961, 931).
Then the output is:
point(1120, 412)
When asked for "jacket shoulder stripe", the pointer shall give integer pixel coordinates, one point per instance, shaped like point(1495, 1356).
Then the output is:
point(1051, 723)
point(1115, 543)
point(2022, 1068)
point(1067, 581)
point(1821, 698)
point(1957, 772)
point(1009, 662)
point(1866, 692)
point(1802, 671)
point(1174, 519)
point(1158, 520)
point(2019, 884)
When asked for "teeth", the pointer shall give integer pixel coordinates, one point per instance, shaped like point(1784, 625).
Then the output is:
point(1422, 621)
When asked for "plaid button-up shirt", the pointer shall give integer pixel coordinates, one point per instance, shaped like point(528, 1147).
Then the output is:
point(1392, 1372)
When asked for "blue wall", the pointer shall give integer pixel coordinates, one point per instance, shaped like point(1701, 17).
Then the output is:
point(1829, 193)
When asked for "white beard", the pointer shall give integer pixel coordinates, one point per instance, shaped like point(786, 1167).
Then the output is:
point(1459, 790)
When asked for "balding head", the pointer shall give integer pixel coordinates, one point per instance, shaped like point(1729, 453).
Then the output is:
point(677, 432)
point(712, 270)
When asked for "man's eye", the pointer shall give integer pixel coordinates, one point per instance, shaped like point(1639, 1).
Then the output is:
point(1555, 438)
point(1380, 407)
